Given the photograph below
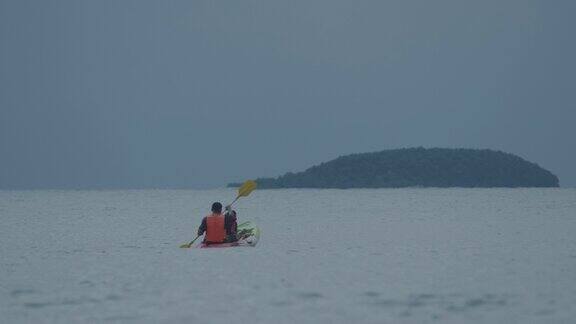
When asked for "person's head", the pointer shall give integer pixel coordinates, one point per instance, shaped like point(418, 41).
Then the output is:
point(217, 208)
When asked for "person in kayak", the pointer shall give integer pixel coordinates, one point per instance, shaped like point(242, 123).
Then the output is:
point(219, 228)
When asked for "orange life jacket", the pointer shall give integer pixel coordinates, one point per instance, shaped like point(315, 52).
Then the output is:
point(215, 229)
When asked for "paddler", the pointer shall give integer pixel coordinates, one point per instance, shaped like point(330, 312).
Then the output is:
point(219, 228)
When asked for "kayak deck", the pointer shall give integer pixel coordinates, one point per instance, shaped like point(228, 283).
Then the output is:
point(223, 245)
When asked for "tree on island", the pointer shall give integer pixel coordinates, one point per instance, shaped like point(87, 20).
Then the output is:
point(418, 167)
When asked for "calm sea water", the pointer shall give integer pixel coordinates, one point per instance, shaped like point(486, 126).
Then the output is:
point(325, 256)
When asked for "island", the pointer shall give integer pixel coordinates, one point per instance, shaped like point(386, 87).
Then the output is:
point(418, 167)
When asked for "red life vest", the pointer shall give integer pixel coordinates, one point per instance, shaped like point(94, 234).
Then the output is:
point(215, 229)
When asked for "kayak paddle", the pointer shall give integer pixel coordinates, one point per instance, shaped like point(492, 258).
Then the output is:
point(188, 245)
point(244, 190)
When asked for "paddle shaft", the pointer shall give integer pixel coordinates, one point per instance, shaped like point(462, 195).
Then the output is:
point(232, 203)
point(194, 240)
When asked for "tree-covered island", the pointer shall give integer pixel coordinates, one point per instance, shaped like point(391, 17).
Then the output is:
point(418, 167)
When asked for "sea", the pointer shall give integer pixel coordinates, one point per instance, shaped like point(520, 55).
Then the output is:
point(419, 255)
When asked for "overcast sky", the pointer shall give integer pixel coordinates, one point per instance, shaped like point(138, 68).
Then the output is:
point(133, 94)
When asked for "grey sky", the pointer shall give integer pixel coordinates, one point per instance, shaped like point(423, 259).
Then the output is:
point(108, 93)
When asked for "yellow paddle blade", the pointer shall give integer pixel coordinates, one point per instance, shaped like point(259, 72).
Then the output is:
point(246, 188)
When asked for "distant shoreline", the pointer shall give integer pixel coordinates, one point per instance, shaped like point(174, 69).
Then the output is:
point(418, 168)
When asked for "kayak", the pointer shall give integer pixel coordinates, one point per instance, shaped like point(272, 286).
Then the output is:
point(248, 233)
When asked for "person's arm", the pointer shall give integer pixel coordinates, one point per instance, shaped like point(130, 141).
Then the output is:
point(230, 225)
point(229, 222)
point(202, 227)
